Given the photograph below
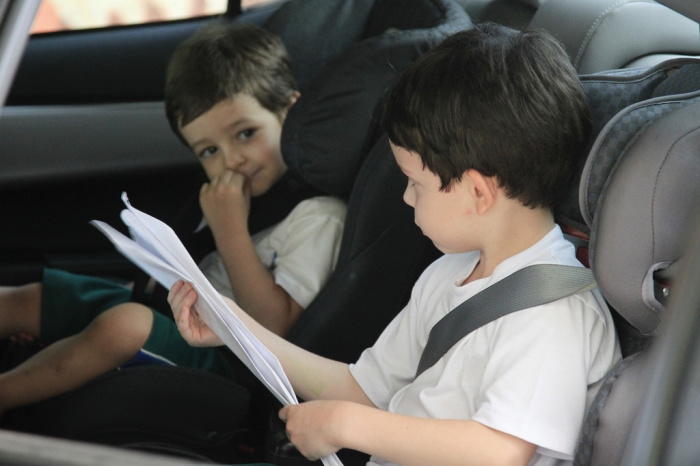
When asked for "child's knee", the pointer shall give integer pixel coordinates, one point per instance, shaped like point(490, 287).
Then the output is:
point(123, 328)
point(20, 309)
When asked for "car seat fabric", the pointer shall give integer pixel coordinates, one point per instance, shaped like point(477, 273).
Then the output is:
point(300, 24)
point(639, 220)
point(610, 34)
point(137, 416)
point(652, 207)
point(315, 31)
point(381, 257)
point(327, 132)
point(326, 138)
point(608, 93)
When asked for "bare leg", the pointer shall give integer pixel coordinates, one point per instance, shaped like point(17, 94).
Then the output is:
point(112, 339)
point(20, 310)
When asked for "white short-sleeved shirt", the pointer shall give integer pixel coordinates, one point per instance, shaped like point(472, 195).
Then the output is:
point(300, 251)
point(528, 374)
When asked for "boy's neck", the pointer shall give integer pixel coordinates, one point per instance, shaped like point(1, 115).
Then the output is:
point(508, 234)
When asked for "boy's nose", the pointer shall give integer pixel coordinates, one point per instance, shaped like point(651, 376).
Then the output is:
point(408, 197)
point(234, 160)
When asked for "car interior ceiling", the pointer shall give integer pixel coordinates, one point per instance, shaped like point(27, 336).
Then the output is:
point(107, 83)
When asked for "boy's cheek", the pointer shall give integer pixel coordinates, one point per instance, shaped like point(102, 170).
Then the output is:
point(209, 169)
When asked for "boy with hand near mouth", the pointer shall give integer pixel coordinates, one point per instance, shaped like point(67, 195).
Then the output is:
point(228, 91)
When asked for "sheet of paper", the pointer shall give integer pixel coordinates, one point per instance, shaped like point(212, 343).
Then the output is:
point(157, 250)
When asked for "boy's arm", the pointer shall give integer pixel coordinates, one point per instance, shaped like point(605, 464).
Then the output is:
point(313, 377)
point(320, 428)
point(226, 205)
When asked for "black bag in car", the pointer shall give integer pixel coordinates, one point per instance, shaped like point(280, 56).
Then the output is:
point(142, 408)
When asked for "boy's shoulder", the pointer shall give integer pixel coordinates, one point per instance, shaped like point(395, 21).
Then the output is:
point(328, 207)
point(553, 248)
point(331, 203)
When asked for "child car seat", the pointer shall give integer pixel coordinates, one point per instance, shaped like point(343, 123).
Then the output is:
point(638, 192)
point(328, 136)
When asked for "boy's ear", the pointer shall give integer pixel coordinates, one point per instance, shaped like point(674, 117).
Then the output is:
point(292, 101)
point(485, 190)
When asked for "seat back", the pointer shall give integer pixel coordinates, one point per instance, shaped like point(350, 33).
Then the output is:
point(331, 140)
point(610, 34)
point(638, 191)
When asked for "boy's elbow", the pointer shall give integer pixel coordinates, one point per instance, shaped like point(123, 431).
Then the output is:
point(518, 454)
point(285, 318)
point(503, 449)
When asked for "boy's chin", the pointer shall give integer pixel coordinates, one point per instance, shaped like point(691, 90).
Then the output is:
point(446, 249)
point(258, 189)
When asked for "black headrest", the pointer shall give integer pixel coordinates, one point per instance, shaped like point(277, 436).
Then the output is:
point(414, 14)
point(324, 137)
point(314, 31)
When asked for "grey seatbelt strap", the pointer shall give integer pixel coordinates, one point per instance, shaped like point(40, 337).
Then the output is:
point(528, 287)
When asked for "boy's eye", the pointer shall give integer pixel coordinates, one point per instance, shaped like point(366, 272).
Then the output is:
point(208, 152)
point(246, 134)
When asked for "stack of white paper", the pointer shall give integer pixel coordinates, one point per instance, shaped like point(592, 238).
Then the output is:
point(157, 250)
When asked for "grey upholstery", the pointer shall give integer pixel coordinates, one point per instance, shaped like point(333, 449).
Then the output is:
point(608, 93)
point(513, 13)
point(642, 214)
point(610, 34)
point(645, 170)
point(602, 438)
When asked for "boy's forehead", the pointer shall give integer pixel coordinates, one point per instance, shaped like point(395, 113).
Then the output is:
point(405, 158)
point(231, 111)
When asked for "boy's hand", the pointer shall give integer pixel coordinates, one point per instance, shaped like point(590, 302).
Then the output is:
point(313, 427)
point(182, 297)
point(225, 202)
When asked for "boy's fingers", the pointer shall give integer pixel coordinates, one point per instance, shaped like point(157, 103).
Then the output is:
point(229, 178)
point(283, 413)
point(174, 289)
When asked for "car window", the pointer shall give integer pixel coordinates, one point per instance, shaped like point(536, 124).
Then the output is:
point(61, 15)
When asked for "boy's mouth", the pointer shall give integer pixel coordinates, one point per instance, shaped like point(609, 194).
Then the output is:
point(252, 175)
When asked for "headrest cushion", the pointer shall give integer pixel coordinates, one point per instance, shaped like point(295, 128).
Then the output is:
point(643, 212)
point(324, 135)
point(303, 26)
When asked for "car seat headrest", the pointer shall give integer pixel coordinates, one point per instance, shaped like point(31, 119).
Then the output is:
point(610, 92)
point(644, 170)
point(416, 14)
point(327, 132)
point(316, 31)
point(305, 25)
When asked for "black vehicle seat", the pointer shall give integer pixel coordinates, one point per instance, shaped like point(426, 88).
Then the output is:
point(511, 13)
point(638, 193)
point(604, 35)
point(326, 138)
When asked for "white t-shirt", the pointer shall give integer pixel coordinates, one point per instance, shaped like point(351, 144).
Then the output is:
point(300, 251)
point(525, 374)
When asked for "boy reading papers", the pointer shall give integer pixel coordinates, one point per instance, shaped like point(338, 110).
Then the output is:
point(488, 128)
point(228, 91)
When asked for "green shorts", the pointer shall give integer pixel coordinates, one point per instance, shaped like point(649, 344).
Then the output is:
point(69, 302)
